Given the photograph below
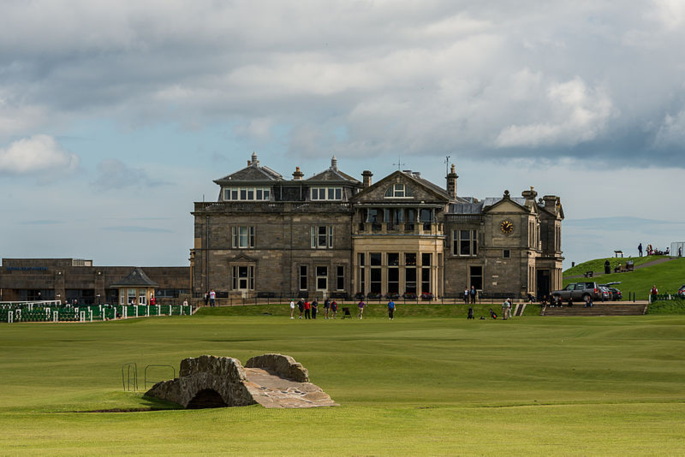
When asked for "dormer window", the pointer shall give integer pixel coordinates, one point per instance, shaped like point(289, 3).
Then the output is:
point(398, 190)
point(247, 193)
point(325, 193)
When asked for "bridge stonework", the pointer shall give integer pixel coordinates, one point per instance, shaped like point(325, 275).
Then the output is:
point(272, 380)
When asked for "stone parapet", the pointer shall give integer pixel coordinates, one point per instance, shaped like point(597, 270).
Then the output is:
point(280, 365)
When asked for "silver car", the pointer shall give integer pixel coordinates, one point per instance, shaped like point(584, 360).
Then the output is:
point(577, 291)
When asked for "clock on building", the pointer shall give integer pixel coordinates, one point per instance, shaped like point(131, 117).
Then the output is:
point(506, 227)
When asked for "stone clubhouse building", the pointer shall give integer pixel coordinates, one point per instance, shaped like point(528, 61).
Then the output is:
point(332, 235)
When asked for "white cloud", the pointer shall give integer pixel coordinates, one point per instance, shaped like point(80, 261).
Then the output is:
point(578, 114)
point(35, 155)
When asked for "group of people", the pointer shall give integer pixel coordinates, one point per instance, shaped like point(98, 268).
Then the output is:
point(653, 251)
point(210, 298)
point(309, 310)
point(470, 295)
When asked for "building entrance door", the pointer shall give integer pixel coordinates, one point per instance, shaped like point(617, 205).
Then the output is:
point(544, 283)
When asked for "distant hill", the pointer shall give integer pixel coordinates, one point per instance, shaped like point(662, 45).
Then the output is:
point(667, 273)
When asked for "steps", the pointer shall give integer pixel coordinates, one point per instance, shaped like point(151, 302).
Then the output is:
point(599, 309)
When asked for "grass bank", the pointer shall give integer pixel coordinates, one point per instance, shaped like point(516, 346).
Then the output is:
point(668, 276)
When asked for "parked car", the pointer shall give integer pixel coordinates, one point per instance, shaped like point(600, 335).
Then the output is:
point(577, 291)
point(615, 294)
point(681, 292)
point(606, 293)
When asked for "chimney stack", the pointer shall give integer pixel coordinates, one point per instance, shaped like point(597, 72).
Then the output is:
point(452, 183)
point(298, 175)
point(366, 178)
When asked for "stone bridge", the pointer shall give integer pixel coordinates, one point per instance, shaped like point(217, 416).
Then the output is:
point(272, 380)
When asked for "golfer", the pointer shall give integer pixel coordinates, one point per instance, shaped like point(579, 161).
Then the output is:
point(391, 309)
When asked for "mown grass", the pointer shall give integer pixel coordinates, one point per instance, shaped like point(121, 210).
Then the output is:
point(414, 386)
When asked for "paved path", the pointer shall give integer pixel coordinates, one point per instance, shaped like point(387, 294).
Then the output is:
point(272, 391)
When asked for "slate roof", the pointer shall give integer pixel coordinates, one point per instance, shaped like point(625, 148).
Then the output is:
point(332, 174)
point(466, 208)
point(136, 278)
point(254, 172)
point(489, 201)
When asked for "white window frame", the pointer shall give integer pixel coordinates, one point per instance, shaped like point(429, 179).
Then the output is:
point(322, 237)
point(398, 190)
point(325, 193)
point(248, 280)
point(242, 237)
point(255, 194)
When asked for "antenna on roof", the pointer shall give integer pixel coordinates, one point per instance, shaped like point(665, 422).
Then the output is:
point(399, 163)
point(447, 165)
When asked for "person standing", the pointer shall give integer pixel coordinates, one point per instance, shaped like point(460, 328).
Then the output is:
point(292, 309)
point(391, 309)
point(206, 298)
point(361, 305)
point(473, 293)
point(466, 296)
point(506, 309)
point(307, 309)
point(326, 308)
point(300, 305)
point(334, 309)
point(653, 293)
point(212, 297)
point(639, 249)
point(315, 308)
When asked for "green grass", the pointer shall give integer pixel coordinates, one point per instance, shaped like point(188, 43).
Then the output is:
point(597, 265)
point(668, 276)
point(530, 386)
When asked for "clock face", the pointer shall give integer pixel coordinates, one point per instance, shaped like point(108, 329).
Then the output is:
point(506, 227)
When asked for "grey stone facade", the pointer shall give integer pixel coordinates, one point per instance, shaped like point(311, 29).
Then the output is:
point(332, 235)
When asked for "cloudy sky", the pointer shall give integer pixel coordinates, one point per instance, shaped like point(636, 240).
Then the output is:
point(115, 116)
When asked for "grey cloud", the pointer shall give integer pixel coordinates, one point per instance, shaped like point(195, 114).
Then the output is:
point(114, 174)
point(43, 222)
point(137, 229)
point(502, 79)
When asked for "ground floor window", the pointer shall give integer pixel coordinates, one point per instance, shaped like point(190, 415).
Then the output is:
point(303, 277)
point(340, 278)
point(376, 281)
point(243, 277)
point(322, 278)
